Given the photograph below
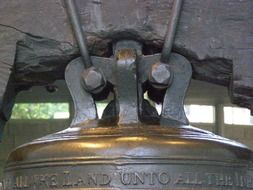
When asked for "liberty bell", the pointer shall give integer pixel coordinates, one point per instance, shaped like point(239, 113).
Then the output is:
point(131, 146)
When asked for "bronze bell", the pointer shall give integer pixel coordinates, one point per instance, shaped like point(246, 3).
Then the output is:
point(131, 147)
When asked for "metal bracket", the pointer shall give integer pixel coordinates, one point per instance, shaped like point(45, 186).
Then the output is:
point(85, 108)
point(173, 99)
point(173, 103)
point(129, 70)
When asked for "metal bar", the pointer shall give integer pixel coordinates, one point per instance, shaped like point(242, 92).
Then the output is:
point(79, 33)
point(171, 30)
point(126, 88)
point(219, 119)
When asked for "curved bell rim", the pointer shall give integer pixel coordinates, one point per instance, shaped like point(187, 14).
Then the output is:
point(133, 156)
point(131, 141)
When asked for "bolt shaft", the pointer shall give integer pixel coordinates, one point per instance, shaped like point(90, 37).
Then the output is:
point(79, 33)
point(171, 30)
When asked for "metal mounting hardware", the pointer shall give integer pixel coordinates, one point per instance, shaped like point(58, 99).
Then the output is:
point(85, 109)
point(92, 78)
point(161, 68)
point(128, 75)
point(126, 87)
point(172, 99)
point(173, 103)
point(171, 30)
point(79, 33)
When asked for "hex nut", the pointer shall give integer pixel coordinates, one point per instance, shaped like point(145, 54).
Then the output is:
point(93, 80)
point(160, 75)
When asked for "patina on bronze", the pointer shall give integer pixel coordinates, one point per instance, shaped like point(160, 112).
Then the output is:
point(131, 147)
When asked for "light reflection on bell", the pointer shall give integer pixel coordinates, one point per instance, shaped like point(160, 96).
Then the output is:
point(130, 157)
point(134, 149)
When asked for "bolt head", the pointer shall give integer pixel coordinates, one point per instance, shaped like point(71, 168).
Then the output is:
point(160, 75)
point(93, 80)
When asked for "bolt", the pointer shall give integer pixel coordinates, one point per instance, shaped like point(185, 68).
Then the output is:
point(51, 88)
point(160, 75)
point(93, 80)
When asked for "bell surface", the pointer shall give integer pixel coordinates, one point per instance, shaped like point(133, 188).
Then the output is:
point(130, 157)
point(131, 147)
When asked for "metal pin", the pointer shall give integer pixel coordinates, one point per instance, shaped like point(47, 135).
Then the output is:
point(79, 32)
point(171, 30)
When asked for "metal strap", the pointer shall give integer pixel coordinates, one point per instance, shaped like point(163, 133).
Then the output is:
point(131, 72)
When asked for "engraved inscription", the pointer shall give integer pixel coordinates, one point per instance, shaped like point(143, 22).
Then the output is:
point(57, 180)
point(188, 178)
point(129, 179)
point(144, 178)
point(237, 180)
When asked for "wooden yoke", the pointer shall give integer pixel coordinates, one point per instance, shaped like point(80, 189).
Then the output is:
point(37, 42)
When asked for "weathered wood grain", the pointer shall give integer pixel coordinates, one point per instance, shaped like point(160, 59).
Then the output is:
point(8, 39)
point(19, 19)
point(215, 35)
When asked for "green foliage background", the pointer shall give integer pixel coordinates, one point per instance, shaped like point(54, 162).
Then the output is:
point(38, 110)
